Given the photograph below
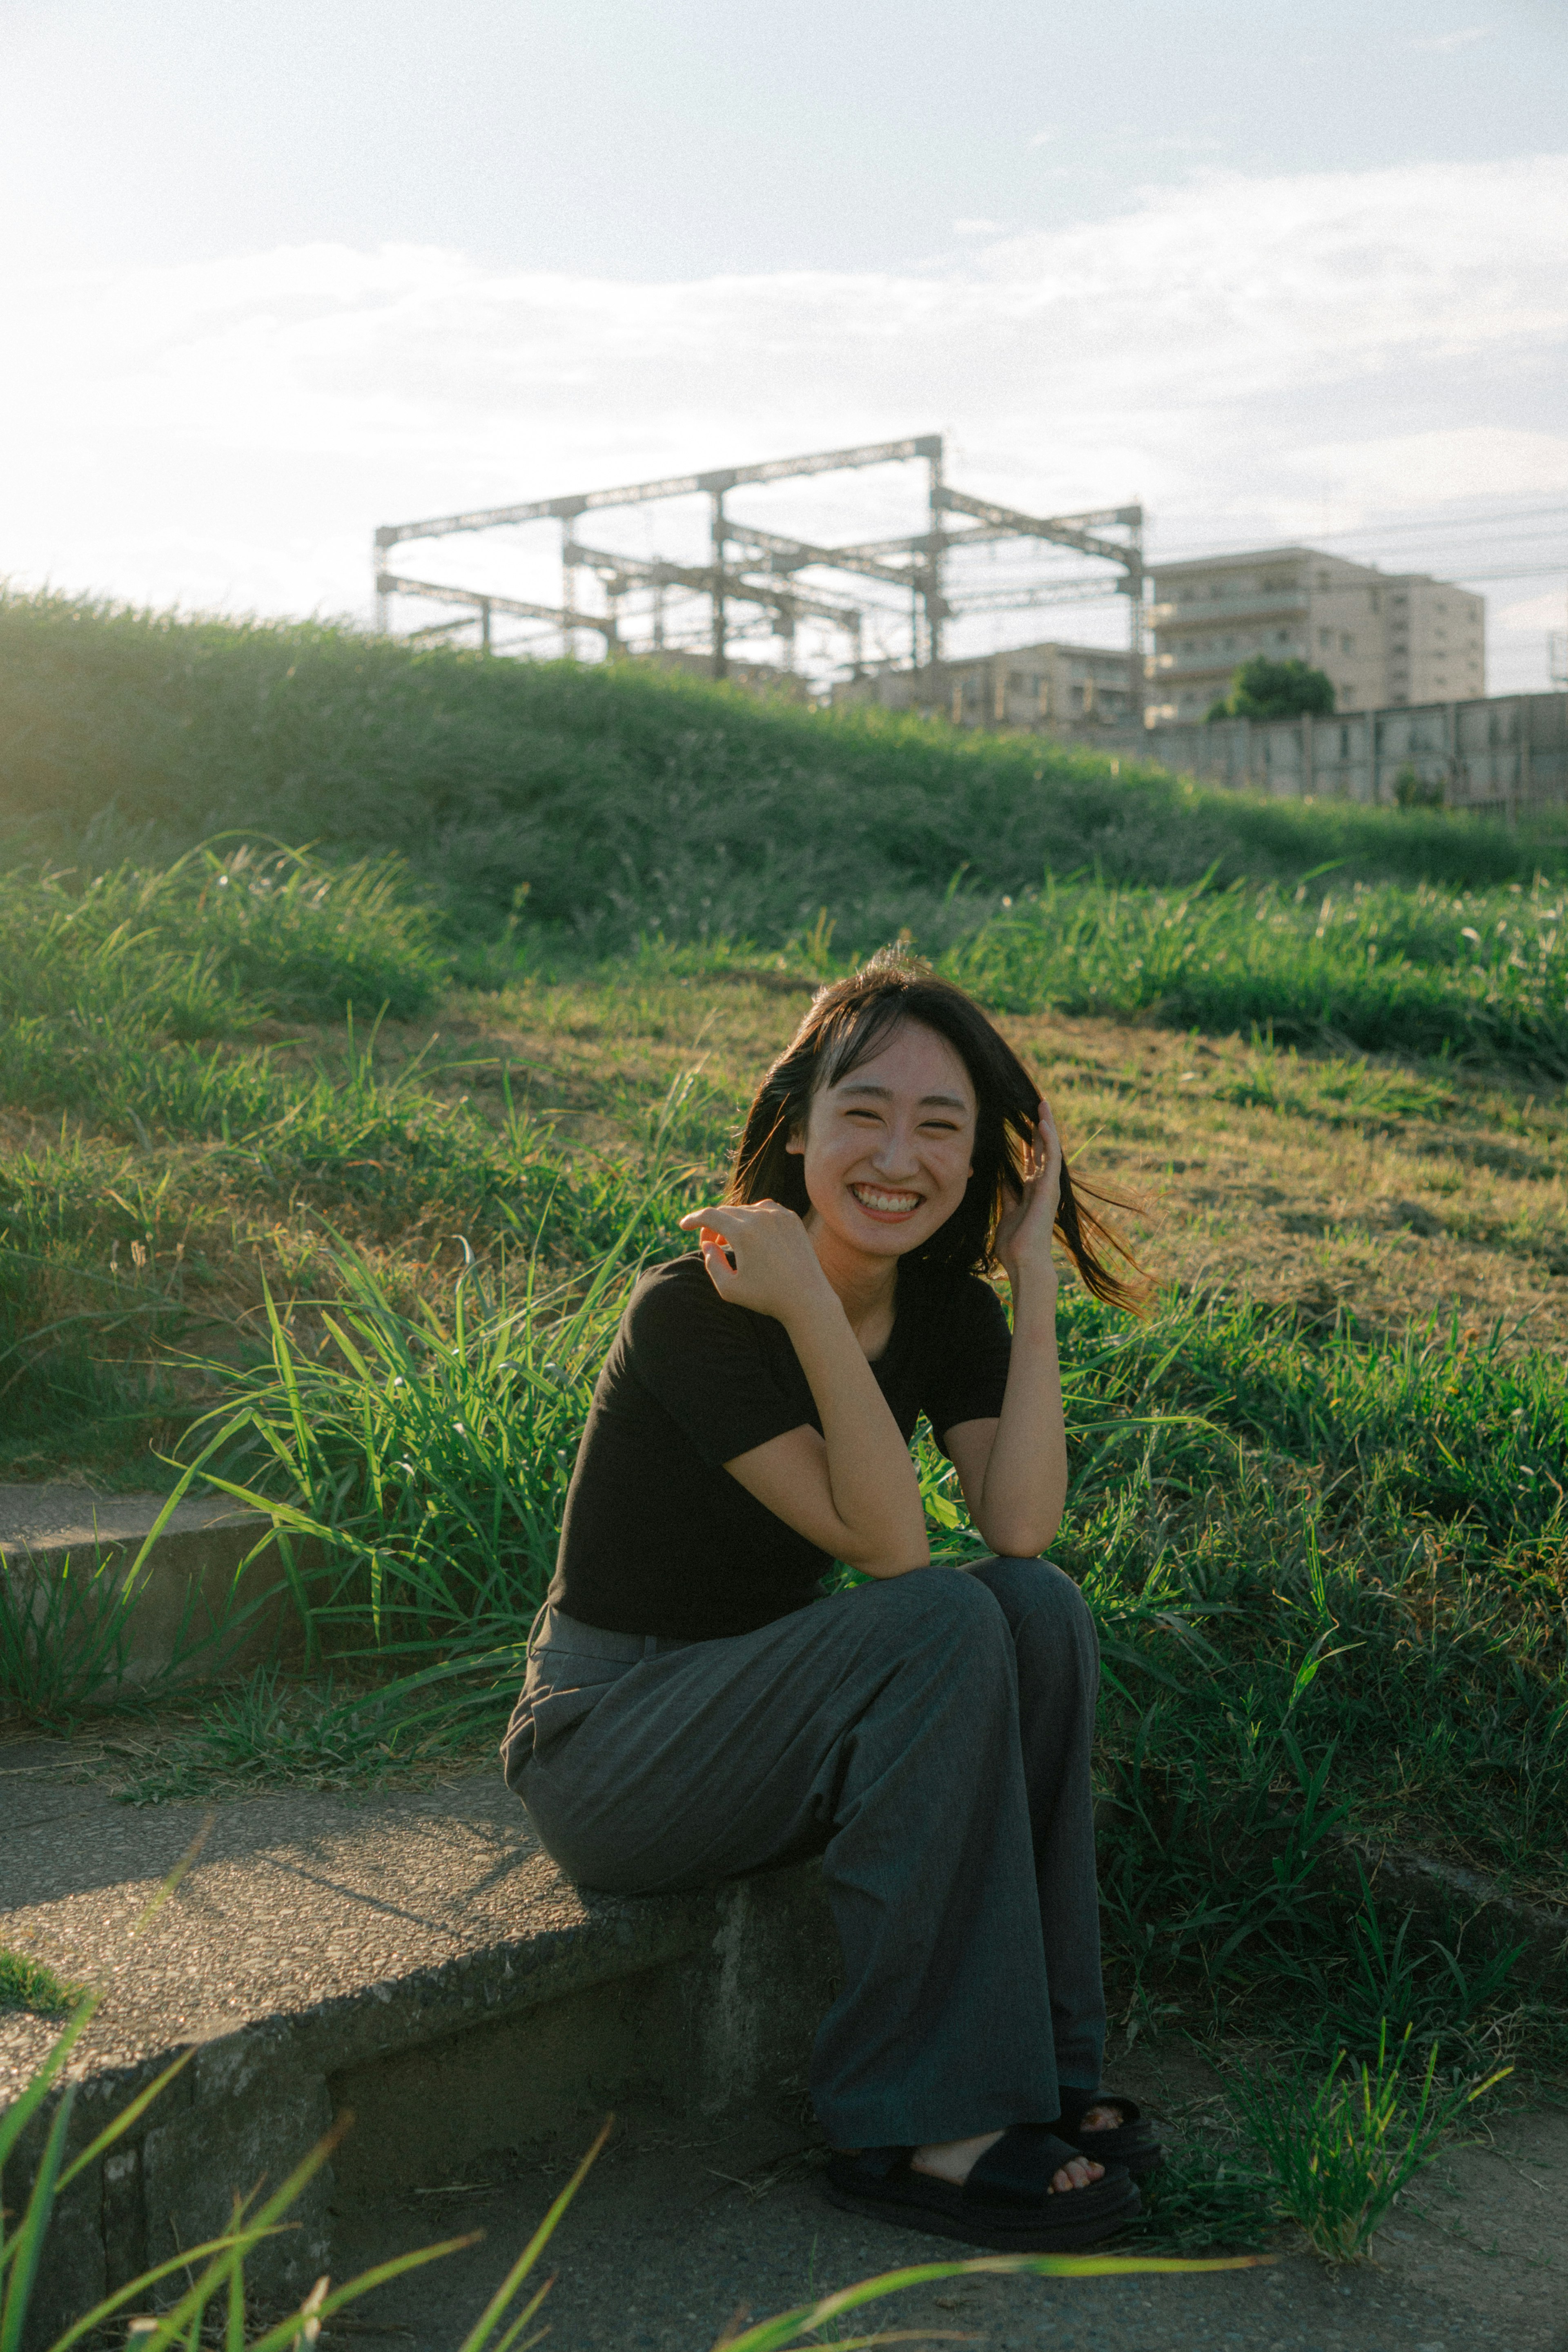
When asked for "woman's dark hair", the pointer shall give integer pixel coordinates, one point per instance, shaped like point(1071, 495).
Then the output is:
point(851, 1022)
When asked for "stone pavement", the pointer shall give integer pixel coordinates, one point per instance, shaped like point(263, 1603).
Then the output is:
point(677, 2230)
point(413, 1957)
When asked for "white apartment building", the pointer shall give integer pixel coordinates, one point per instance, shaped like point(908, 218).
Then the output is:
point(1045, 685)
point(1383, 637)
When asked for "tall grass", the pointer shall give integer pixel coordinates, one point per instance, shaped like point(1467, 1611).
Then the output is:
point(1482, 974)
point(1330, 1572)
point(429, 1458)
point(624, 801)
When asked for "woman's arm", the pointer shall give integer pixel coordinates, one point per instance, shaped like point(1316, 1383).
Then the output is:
point(1013, 1470)
point(851, 1491)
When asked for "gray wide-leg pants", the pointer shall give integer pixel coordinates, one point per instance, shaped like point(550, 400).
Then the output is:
point(929, 1737)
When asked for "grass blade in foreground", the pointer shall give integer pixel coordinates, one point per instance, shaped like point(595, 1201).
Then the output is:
point(774, 2335)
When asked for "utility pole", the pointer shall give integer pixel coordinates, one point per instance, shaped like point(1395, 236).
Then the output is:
point(933, 559)
point(1137, 682)
point(567, 588)
point(484, 624)
point(385, 538)
point(715, 486)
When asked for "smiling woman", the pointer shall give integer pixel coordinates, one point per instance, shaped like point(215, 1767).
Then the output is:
point(697, 1707)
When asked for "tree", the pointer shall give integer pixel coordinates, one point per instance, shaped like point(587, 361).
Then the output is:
point(1262, 688)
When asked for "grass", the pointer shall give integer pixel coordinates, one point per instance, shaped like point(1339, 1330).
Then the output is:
point(344, 1164)
point(132, 734)
point(1343, 2145)
point(28, 1985)
point(1473, 974)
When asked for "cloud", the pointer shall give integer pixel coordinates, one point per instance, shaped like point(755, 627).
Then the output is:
point(980, 229)
point(230, 433)
point(1444, 43)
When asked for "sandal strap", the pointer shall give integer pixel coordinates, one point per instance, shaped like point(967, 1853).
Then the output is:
point(1018, 2169)
point(1076, 2104)
point(873, 2164)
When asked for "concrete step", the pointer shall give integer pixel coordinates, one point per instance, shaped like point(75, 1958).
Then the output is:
point(413, 1959)
point(193, 1606)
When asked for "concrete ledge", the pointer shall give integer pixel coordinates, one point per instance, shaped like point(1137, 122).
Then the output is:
point(194, 1608)
point(413, 1959)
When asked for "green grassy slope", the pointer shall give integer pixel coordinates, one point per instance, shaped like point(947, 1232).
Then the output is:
point(623, 800)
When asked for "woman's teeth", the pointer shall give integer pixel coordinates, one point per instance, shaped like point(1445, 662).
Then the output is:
point(890, 1203)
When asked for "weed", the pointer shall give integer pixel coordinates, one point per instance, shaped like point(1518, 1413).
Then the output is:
point(1381, 1980)
point(29, 1985)
point(1201, 2198)
point(64, 1633)
point(1340, 2148)
point(272, 1731)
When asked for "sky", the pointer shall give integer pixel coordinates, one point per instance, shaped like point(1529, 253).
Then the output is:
point(273, 274)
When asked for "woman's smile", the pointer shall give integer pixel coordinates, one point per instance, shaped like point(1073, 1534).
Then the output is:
point(886, 1202)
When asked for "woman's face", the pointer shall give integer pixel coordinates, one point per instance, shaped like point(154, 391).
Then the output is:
point(888, 1150)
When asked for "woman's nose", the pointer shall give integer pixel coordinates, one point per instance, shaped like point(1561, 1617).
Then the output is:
point(896, 1155)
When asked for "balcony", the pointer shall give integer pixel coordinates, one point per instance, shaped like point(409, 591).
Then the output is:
point(1219, 611)
point(1187, 661)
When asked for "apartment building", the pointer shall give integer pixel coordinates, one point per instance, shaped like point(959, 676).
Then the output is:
point(1383, 637)
point(1051, 686)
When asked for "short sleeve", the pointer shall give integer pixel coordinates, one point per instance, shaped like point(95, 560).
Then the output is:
point(968, 1375)
point(703, 1360)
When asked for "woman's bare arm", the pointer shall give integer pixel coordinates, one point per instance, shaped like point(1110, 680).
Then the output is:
point(852, 1490)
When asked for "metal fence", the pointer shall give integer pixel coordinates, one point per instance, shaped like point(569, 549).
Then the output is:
point(1503, 756)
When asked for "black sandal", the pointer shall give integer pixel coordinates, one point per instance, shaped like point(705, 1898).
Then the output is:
point(1006, 2202)
point(1131, 2142)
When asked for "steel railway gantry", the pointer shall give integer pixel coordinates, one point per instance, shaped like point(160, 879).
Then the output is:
point(751, 566)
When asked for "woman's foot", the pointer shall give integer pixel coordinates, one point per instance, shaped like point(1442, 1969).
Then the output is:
point(954, 2159)
point(1023, 2190)
point(1104, 2125)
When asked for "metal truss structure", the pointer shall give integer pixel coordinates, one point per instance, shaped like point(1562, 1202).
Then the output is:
point(751, 567)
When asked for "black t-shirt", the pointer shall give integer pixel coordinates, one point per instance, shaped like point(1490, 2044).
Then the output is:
point(657, 1537)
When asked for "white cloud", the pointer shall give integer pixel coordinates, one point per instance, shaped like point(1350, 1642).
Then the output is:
point(230, 433)
point(1444, 43)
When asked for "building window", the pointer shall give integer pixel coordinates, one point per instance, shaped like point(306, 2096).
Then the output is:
point(1346, 642)
point(1325, 639)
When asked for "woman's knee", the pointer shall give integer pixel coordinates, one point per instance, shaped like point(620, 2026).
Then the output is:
point(940, 1605)
point(1038, 1593)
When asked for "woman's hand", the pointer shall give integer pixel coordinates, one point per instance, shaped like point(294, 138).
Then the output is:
point(775, 1271)
point(1023, 1234)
